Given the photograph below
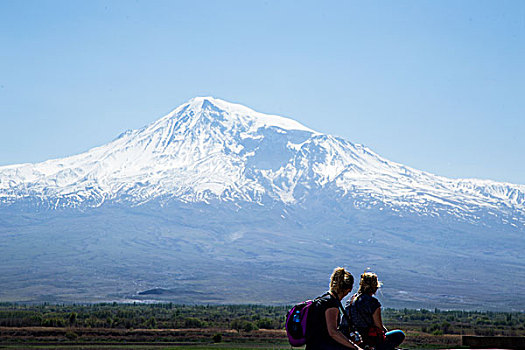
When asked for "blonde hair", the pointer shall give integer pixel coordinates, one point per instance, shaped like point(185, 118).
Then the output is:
point(369, 283)
point(341, 280)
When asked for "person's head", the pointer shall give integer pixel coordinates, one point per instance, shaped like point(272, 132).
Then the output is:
point(341, 282)
point(369, 283)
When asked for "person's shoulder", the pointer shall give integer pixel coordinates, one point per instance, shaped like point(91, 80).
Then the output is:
point(369, 297)
point(364, 298)
point(323, 299)
point(324, 296)
point(375, 302)
point(370, 300)
point(330, 301)
point(334, 302)
point(325, 302)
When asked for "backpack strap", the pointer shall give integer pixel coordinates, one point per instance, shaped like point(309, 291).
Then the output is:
point(341, 308)
point(325, 294)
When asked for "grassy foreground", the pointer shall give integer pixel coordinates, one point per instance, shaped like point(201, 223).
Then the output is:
point(59, 338)
point(150, 347)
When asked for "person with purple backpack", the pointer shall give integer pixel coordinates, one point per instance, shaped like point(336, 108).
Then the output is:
point(323, 322)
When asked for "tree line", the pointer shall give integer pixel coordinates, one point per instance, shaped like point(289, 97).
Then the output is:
point(439, 322)
point(136, 316)
point(242, 318)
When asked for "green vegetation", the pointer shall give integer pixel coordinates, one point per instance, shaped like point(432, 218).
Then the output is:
point(437, 322)
point(139, 316)
point(224, 326)
point(242, 318)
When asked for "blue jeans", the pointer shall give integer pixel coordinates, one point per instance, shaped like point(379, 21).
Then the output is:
point(392, 341)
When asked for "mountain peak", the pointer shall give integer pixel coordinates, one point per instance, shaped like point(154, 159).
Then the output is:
point(238, 111)
point(203, 101)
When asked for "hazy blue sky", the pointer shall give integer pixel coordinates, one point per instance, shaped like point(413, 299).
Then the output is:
point(436, 85)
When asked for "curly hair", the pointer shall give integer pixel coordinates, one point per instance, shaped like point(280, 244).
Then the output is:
point(341, 280)
point(369, 283)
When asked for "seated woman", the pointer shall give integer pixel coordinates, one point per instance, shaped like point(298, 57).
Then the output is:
point(365, 311)
point(323, 323)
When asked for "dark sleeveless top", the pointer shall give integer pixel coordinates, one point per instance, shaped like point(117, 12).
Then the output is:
point(318, 336)
point(361, 311)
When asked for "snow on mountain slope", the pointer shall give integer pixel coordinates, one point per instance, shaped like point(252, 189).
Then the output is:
point(209, 149)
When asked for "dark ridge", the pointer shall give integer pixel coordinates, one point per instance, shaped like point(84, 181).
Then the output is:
point(156, 291)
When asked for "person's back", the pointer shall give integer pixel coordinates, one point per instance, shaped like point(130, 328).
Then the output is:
point(365, 312)
point(361, 310)
point(317, 328)
point(322, 329)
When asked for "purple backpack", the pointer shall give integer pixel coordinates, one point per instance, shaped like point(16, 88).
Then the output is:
point(296, 322)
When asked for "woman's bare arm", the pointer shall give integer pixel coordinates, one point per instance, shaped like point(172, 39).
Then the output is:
point(332, 314)
point(378, 322)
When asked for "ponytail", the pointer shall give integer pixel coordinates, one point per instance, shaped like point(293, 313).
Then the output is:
point(341, 280)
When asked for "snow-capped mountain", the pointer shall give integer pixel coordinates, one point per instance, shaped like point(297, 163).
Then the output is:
point(210, 149)
point(218, 201)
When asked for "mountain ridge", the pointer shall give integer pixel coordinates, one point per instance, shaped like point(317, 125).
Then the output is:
point(209, 148)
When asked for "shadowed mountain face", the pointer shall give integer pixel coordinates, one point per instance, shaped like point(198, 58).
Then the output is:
point(218, 203)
